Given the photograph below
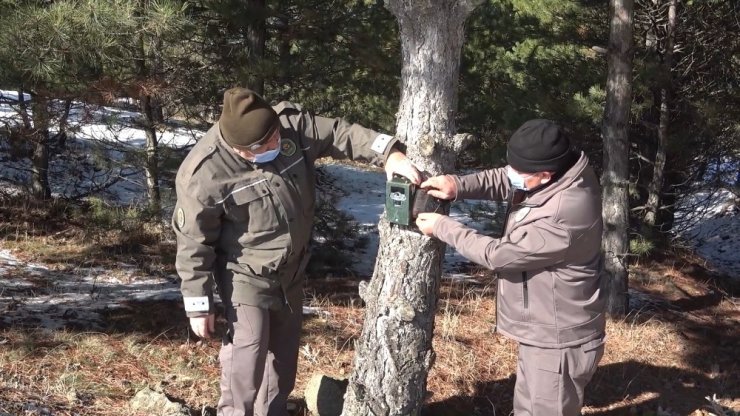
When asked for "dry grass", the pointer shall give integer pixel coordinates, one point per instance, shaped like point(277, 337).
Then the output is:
point(650, 365)
point(96, 374)
point(663, 359)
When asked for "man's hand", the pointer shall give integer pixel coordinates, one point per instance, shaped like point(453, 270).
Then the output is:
point(203, 326)
point(426, 220)
point(397, 162)
point(442, 187)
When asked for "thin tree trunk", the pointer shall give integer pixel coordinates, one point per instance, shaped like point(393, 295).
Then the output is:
point(151, 166)
point(40, 188)
point(655, 188)
point(23, 106)
point(394, 353)
point(157, 71)
point(151, 163)
point(615, 131)
point(256, 43)
point(60, 138)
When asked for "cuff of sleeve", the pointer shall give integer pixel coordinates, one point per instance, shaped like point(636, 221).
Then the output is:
point(197, 314)
point(458, 187)
point(383, 145)
point(198, 305)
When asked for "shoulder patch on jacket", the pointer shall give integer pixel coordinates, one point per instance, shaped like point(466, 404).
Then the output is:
point(287, 107)
point(287, 147)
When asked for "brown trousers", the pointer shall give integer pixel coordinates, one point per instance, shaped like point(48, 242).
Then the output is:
point(259, 359)
point(550, 382)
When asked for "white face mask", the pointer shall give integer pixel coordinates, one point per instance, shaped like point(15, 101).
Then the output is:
point(517, 180)
point(267, 156)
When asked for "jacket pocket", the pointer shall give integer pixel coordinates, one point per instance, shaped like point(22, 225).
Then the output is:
point(253, 204)
point(245, 274)
point(510, 297)
point(591, 353)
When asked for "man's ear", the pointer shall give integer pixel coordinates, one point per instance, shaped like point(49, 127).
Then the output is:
point(546, 177)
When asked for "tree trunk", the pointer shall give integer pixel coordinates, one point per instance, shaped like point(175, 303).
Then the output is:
point(256, 43)
point(151, 166)
point(615, 179)
point(394, 353)
point(59, 140)
point(157, 71)
point(151, 163)
point(40, 188)
point(655, 188)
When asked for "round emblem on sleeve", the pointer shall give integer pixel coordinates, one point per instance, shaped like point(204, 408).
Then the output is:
point(180, 218)
point(522, 213)
point(287, 147)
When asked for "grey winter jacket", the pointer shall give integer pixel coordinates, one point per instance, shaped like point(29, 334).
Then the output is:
point(548, 261)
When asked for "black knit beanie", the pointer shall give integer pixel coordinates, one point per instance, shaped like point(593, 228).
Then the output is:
point(539, 146)
point(246, 118)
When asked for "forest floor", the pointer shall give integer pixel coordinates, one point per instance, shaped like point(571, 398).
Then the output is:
point(676, 353)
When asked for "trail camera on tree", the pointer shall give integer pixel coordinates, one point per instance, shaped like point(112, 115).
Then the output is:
point(404, 201)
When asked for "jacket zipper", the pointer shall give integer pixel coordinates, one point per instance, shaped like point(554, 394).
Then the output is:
point(285, 293)
point(509, 207)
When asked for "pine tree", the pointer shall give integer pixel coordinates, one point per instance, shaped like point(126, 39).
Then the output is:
point(394, 353)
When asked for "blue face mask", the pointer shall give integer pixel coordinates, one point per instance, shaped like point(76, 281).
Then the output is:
point(516, 179)
point(269, 155)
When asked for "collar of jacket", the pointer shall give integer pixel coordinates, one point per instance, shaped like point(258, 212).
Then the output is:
point(230, 150)
point(541, 195)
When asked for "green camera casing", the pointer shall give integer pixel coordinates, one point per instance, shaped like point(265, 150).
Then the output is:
point(399, 195)
point(404, 201)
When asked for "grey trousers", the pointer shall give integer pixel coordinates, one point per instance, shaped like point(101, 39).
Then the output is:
point(259, 360)
point(550, 382)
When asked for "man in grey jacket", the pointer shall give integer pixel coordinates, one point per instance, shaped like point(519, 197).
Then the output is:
point(243, 220)
point(548, 262)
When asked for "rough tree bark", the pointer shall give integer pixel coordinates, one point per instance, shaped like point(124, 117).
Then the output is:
point(655, 188)
point(615, 178)
point(394, 353)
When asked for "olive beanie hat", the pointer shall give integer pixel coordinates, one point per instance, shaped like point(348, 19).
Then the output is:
point(246, 118)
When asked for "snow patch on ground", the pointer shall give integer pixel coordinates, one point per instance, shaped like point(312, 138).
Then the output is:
point(98, 152)
point(32, 295)
point(718, 241)
point(710, 223)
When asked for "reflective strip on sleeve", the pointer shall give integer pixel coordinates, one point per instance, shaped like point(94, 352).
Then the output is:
point(380, 143)
point(196, 304)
